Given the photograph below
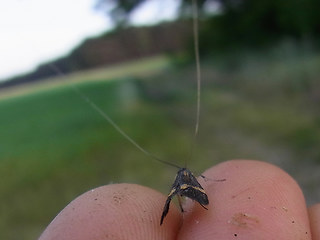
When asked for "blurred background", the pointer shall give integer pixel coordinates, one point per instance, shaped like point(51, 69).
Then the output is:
point(134, 59)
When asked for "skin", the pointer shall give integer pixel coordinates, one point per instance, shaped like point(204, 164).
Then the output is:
point(257, 201)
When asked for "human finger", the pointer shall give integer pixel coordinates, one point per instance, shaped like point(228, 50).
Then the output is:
point(257, 201)
point(115, 211)
point(314, 216)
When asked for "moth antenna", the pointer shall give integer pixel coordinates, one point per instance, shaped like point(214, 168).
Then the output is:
point(195, 18)
point(110, 121)
point(197, 56)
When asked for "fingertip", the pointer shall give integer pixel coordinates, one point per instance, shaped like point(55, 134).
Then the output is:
point(116, 211)
point(256, 201)
point(314, 216)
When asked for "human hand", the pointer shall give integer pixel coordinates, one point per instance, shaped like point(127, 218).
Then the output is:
point(257, 201)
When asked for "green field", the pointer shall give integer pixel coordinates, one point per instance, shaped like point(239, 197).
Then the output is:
point(54, 146)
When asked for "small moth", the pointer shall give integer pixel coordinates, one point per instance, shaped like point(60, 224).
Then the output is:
point(185, 185)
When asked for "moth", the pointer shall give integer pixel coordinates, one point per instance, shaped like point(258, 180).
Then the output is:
point(185, 185)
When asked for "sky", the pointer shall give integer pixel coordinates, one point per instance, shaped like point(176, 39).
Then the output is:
point(36, 31)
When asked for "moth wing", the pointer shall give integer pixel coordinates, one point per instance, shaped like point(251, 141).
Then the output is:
point(196, 194)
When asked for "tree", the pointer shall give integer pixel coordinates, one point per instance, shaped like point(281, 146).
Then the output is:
point(120, 10)
point(248, 22)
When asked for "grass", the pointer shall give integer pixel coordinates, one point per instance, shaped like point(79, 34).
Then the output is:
point(54, 146)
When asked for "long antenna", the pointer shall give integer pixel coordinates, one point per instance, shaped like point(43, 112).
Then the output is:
point(106, 117)
point(198, 74)
point(197, 56)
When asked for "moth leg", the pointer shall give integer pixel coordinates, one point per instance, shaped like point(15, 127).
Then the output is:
point(215, 180)
point(180, 202)
point(204, 178)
